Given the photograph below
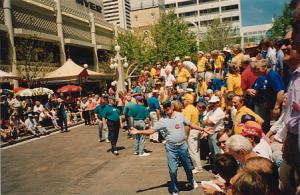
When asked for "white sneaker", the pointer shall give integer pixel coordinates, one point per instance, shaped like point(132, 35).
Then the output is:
point(144, 154)
point(116, 152)
point(175, 193)
point(195, 171)
point(135, 153)
point(195, 184)
point(107, 141)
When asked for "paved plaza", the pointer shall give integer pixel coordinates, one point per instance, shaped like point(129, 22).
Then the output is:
point(76, 163)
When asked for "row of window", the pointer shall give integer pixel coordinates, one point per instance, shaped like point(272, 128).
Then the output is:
point(208, 11)
point(194, 2)
point(227, 19)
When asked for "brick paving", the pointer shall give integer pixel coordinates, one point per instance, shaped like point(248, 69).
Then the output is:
point(76, 163)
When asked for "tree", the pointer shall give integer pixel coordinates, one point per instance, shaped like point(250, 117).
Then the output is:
point(281, 23)
point(169, 38)
point(219, 35)
point(31, 57)
point(172, 37)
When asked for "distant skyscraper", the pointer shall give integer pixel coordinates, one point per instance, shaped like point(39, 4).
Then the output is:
point(117, 12)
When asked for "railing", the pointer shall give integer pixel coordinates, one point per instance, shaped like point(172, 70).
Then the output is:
point(75, 12)
point(50, 3)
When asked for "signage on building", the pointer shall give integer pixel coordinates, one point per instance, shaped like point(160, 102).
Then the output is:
point(90, 5)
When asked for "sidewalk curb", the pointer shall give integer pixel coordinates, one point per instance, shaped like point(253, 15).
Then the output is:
point(3, 145)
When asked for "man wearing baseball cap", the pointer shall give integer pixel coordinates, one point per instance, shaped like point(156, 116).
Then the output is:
point(111, 118)
point(214, 121)
point(253, 131)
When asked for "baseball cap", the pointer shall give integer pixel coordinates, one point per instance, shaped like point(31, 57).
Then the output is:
point(247, 117)
point(214, 99)
point(189, 90)
point(188, 97)
point(112, 97)
point(167, 104)
point(226, 49)
point(209, 91)
point(252, 128)
point(201, 52)
point(139, 98)
point(177, 59)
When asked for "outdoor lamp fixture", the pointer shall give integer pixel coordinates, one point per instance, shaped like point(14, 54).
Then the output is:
point(119, 63)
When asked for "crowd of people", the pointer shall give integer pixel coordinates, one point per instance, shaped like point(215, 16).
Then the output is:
point(238, 109)
point(244, 106)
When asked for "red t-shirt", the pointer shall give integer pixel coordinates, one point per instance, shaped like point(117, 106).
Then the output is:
point(248, 78)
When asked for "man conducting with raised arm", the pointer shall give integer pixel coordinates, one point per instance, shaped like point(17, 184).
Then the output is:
point(172, 128)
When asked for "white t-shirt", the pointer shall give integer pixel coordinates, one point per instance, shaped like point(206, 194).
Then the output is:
point(279, 129)
point(38, 109)
point(169, 80)
point(190, 66)
point(169, 67)
point(263, 149)
point(217, 117)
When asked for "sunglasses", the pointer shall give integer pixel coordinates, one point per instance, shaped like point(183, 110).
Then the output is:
point(219, 143)
point(287, 42)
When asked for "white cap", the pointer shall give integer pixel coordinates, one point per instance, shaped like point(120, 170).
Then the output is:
point(189, 90)
point(209, 91)
point(227, 49)
point(114, 83)
point(177, 59)
point(192, 80)
point(214, 99)
point(201, 52)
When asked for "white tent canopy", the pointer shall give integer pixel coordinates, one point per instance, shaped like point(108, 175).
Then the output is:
point(69, 71)
point(6, 75)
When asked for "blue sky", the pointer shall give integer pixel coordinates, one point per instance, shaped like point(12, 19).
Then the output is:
point(256, 12)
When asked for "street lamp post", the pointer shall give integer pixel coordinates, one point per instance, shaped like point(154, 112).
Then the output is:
point(119, 63)
point(198, 33)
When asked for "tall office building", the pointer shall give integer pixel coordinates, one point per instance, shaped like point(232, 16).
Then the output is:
point(145, 13)
point(201, 13)
point(117, 12)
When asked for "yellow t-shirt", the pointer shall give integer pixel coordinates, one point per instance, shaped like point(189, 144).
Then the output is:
point(237, 59)
point(219, 62)
point(234, 84)
point(238, 118)
point(201, 88)
point(183, 75)
point(201, 64)
point(152, 72)
point(191, 113)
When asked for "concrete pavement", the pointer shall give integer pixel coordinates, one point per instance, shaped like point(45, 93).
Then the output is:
point(76, 163)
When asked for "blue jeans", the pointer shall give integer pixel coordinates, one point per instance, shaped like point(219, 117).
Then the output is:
point(174, 154)
point(103, 131)
point(212, 144)
point(139, 139)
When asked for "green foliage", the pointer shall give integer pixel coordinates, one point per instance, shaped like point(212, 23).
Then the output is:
point(169, 38)
point(218, 36)
point(281, 23)
point(172, 37)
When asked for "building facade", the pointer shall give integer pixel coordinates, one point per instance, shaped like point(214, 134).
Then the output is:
point(59, 29)
point(255, 33)
point(145, 13)
point(201, 13)
point(117, 12)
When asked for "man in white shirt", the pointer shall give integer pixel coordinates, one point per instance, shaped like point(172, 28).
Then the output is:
point(169, 79)
point(189, 65)
point(215, 120)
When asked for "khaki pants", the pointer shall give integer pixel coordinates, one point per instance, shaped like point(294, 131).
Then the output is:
point(193, 143)
point(154, 119)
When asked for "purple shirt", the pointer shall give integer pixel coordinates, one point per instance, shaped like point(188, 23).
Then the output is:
point(292, 117)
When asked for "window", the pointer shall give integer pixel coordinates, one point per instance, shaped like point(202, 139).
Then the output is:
point(172, 5)
point(231, 19)
point(188, 14)
point(187, 3)
point(230, 7)
point(206, 22)
point(209, 11)
point(205, 1)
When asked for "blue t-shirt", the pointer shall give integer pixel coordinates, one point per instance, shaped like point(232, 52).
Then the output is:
point(111, 113)
point(99, 110)
point(137, 89)
point(127, 107)
point(153, 104)
point(139, 112)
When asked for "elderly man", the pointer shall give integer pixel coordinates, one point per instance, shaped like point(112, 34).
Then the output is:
point(182, 76)
point(240, 148)
point(192, 114)
point(214, 121)
point(273, 89)
point(189, 65)
point(172, 128)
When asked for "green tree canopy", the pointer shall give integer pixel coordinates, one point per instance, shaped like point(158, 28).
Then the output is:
point(219, 35)
point(281, 23)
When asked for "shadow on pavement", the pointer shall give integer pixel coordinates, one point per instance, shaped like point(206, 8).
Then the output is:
point(118, 148)
point(181, 185)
